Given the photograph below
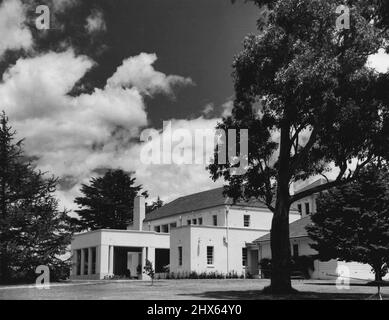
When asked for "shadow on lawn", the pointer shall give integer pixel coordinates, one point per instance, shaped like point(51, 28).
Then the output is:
point(259, 295)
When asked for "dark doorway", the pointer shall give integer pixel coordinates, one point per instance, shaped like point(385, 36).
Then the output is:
point(120, 261)
point(161, 259)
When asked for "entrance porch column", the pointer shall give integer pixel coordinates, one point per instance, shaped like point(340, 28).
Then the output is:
point(102, 256)
point(151, 255)
point(74, 263)
point(144, 257)
point(82, 269)
point(89, 261)
point(110, 260)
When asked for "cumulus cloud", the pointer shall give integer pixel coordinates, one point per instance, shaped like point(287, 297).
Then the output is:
point(34, 94)
point(172, 176)
point(227, 108)
point(95, 22)
point(72, 136)
point(208, 109)
point(15, 35)
point(75, 137)
point(32, 87)
point(139, 72)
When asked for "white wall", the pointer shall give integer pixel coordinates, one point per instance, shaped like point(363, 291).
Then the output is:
point(195, 239)
point(312, 204)
point(260, 218)
point(106, 240)
point(325, 270)
point(180, 237)
point(181, 220)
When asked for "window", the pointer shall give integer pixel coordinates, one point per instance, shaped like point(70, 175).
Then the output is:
point(295, 250)
point(173, 225)
point(194, 221)
point(300, 208)
point(157, 229)
point(165, 228)
point(244, 257)
point(180, 256)
point(188, 222)
point(94, 260)
point(214, 218)
point(200, 221)
point(307, 212)
point(210, 255)
point(246, 220)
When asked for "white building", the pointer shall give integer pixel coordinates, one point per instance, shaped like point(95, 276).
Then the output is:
point(202, 232)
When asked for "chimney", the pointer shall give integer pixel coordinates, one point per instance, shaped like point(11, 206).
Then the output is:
point(139, 213)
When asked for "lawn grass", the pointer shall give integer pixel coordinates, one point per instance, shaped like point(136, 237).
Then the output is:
point(189, 290)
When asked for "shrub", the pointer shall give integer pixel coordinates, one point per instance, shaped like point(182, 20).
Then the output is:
point(300, 264)
point(303, 264)
point(149, 270)
point(265, 265)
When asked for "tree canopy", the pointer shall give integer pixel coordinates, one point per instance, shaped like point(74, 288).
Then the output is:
point(33, 231)
point(108, 201)
point(352, 221)
point(311, 104)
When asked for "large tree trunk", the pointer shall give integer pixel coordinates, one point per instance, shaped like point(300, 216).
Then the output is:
point(377, 273)
point(280, 245)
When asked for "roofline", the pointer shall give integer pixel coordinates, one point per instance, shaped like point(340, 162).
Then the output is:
point(183, 212)
point(192, 211)
point(80, 234)
point(196, 226)
point(268, 240)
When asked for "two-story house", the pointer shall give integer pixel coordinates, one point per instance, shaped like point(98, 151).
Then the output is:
point(202, 232)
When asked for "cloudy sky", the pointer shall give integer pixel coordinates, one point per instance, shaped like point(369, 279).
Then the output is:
point(82, 91)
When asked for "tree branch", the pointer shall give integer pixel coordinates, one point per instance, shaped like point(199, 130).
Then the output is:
point(299, 156)
point(323, 187)
point(336, 183)
point(268, 193)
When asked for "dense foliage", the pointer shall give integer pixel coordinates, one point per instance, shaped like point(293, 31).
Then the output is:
point(108, 201)
point(33, 231)
point(311, 104)
point(352, 222)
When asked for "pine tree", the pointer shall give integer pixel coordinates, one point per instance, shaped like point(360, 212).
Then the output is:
point(108, 201)
point(33, 231)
